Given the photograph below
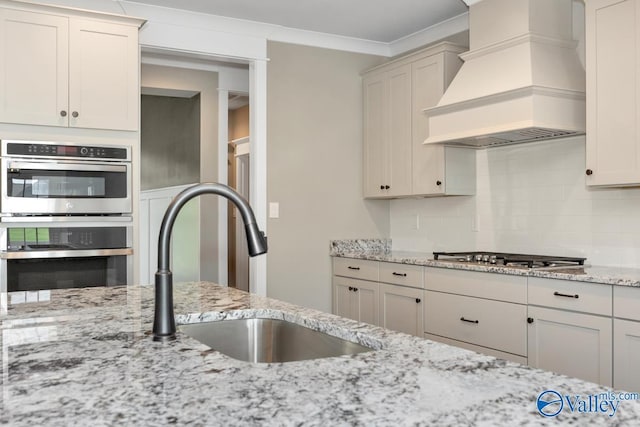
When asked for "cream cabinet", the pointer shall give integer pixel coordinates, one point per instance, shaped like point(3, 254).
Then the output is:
point(402, 297)
point(381, 293)
point(613, 91)
point(60, 69)
point(396, 163)
point(387, 130)
point(570, 329)
point(356, 299)
point(626, 345)
point(626, 338)
point(480, 311)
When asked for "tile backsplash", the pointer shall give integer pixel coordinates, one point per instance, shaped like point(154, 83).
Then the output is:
point(530, 198)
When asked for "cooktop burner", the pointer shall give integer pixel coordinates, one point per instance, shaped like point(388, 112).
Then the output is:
point(510, 259)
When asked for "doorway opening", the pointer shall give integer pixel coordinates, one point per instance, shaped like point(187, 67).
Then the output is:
point(238, 164)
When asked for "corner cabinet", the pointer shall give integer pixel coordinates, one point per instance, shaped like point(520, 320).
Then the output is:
point(356, 289)
point(396, 163)
point(381, 293)
point(613, 91)
point(68, 68)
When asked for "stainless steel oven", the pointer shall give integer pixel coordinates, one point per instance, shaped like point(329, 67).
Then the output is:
point(44, 255)
point(49, 178)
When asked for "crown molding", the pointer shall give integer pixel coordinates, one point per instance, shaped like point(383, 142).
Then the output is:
point(437, 32)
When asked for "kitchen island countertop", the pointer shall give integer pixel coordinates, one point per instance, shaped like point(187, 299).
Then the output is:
point(85, 357)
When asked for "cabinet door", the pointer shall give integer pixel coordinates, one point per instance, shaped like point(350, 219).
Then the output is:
point(626, 351)
point(34, 58)
point(570, 343)
point(366, 297)
point(613, 91)
point(401, 309)
point(375, 131)
point(428, 161)
point(399, 137)
point(104, 86)
point(344, 302)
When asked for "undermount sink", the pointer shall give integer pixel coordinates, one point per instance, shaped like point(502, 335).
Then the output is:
point(269, 340)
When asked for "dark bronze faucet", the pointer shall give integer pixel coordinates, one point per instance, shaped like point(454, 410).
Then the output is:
point(164, 325)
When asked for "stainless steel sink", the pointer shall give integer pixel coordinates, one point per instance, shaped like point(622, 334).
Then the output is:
point(269, 340)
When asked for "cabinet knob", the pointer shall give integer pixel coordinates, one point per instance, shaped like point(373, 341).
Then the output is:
point(350, 288)
point(418, 300)
point(382, 187)
point(63, 113)
point(438, 182)
point(529, 319)
point(355, 289)
point(75, 114)
point(589, 172)
point(386, 187)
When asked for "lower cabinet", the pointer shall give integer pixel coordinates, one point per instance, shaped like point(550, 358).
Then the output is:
point(495, 325)
point(626, 344)
point(401, 309)
point(356, 299)
point(574, 344)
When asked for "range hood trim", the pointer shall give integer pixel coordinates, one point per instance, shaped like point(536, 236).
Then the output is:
point(493, 135)
point(504, 96)
point(531, 38)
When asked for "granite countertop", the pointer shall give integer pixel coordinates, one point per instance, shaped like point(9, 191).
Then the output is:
point(86, 358)
point(380, 250)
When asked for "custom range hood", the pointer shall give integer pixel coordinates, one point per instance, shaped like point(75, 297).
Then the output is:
point(521, 80)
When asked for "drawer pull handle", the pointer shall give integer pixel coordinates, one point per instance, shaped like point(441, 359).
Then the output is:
point(400, 274)
point(353, 268)
point(558, 294)
point(418, 300)
point(469, 321)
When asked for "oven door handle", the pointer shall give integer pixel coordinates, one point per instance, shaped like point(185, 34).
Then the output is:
point(66, 166)
point(79, 253)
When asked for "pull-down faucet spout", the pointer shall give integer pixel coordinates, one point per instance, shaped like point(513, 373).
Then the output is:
point(164, 326)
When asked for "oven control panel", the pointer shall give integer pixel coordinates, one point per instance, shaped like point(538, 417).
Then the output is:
point(65, 150)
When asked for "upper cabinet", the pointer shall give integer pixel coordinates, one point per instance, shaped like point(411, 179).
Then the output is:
point(613, 92)
point(396, 163)
point(65, 70)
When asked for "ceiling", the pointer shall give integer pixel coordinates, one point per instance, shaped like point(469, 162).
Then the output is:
point(376, 20)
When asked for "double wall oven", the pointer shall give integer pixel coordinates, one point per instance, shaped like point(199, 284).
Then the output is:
point(65, 216)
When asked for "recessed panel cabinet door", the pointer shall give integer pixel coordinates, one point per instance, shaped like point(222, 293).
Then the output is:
point(401, 309)
point(569, 343)
point(343, 302)
point(626, 342)
point(613, 92)
point(103, 75)
point(375, 134)
point(399, 147)
point(34, 58)
point(367, 294)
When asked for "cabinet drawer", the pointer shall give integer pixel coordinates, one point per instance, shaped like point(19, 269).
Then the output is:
point(569, 295)
point(501, 287)
point(402, 274)
point(494, 324)
point(356, 268)
point(626, 302)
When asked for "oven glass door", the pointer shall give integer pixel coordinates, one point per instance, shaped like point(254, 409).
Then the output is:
point(65, 188)
point(62, 273)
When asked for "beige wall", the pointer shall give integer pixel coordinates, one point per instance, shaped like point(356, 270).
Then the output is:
point(314, 154)
point(239, 123)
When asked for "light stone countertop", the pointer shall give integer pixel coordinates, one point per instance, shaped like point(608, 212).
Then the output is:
point(86, 358)
point(379, 250)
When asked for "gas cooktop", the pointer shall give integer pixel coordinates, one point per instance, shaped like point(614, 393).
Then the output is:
point(510, 259)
